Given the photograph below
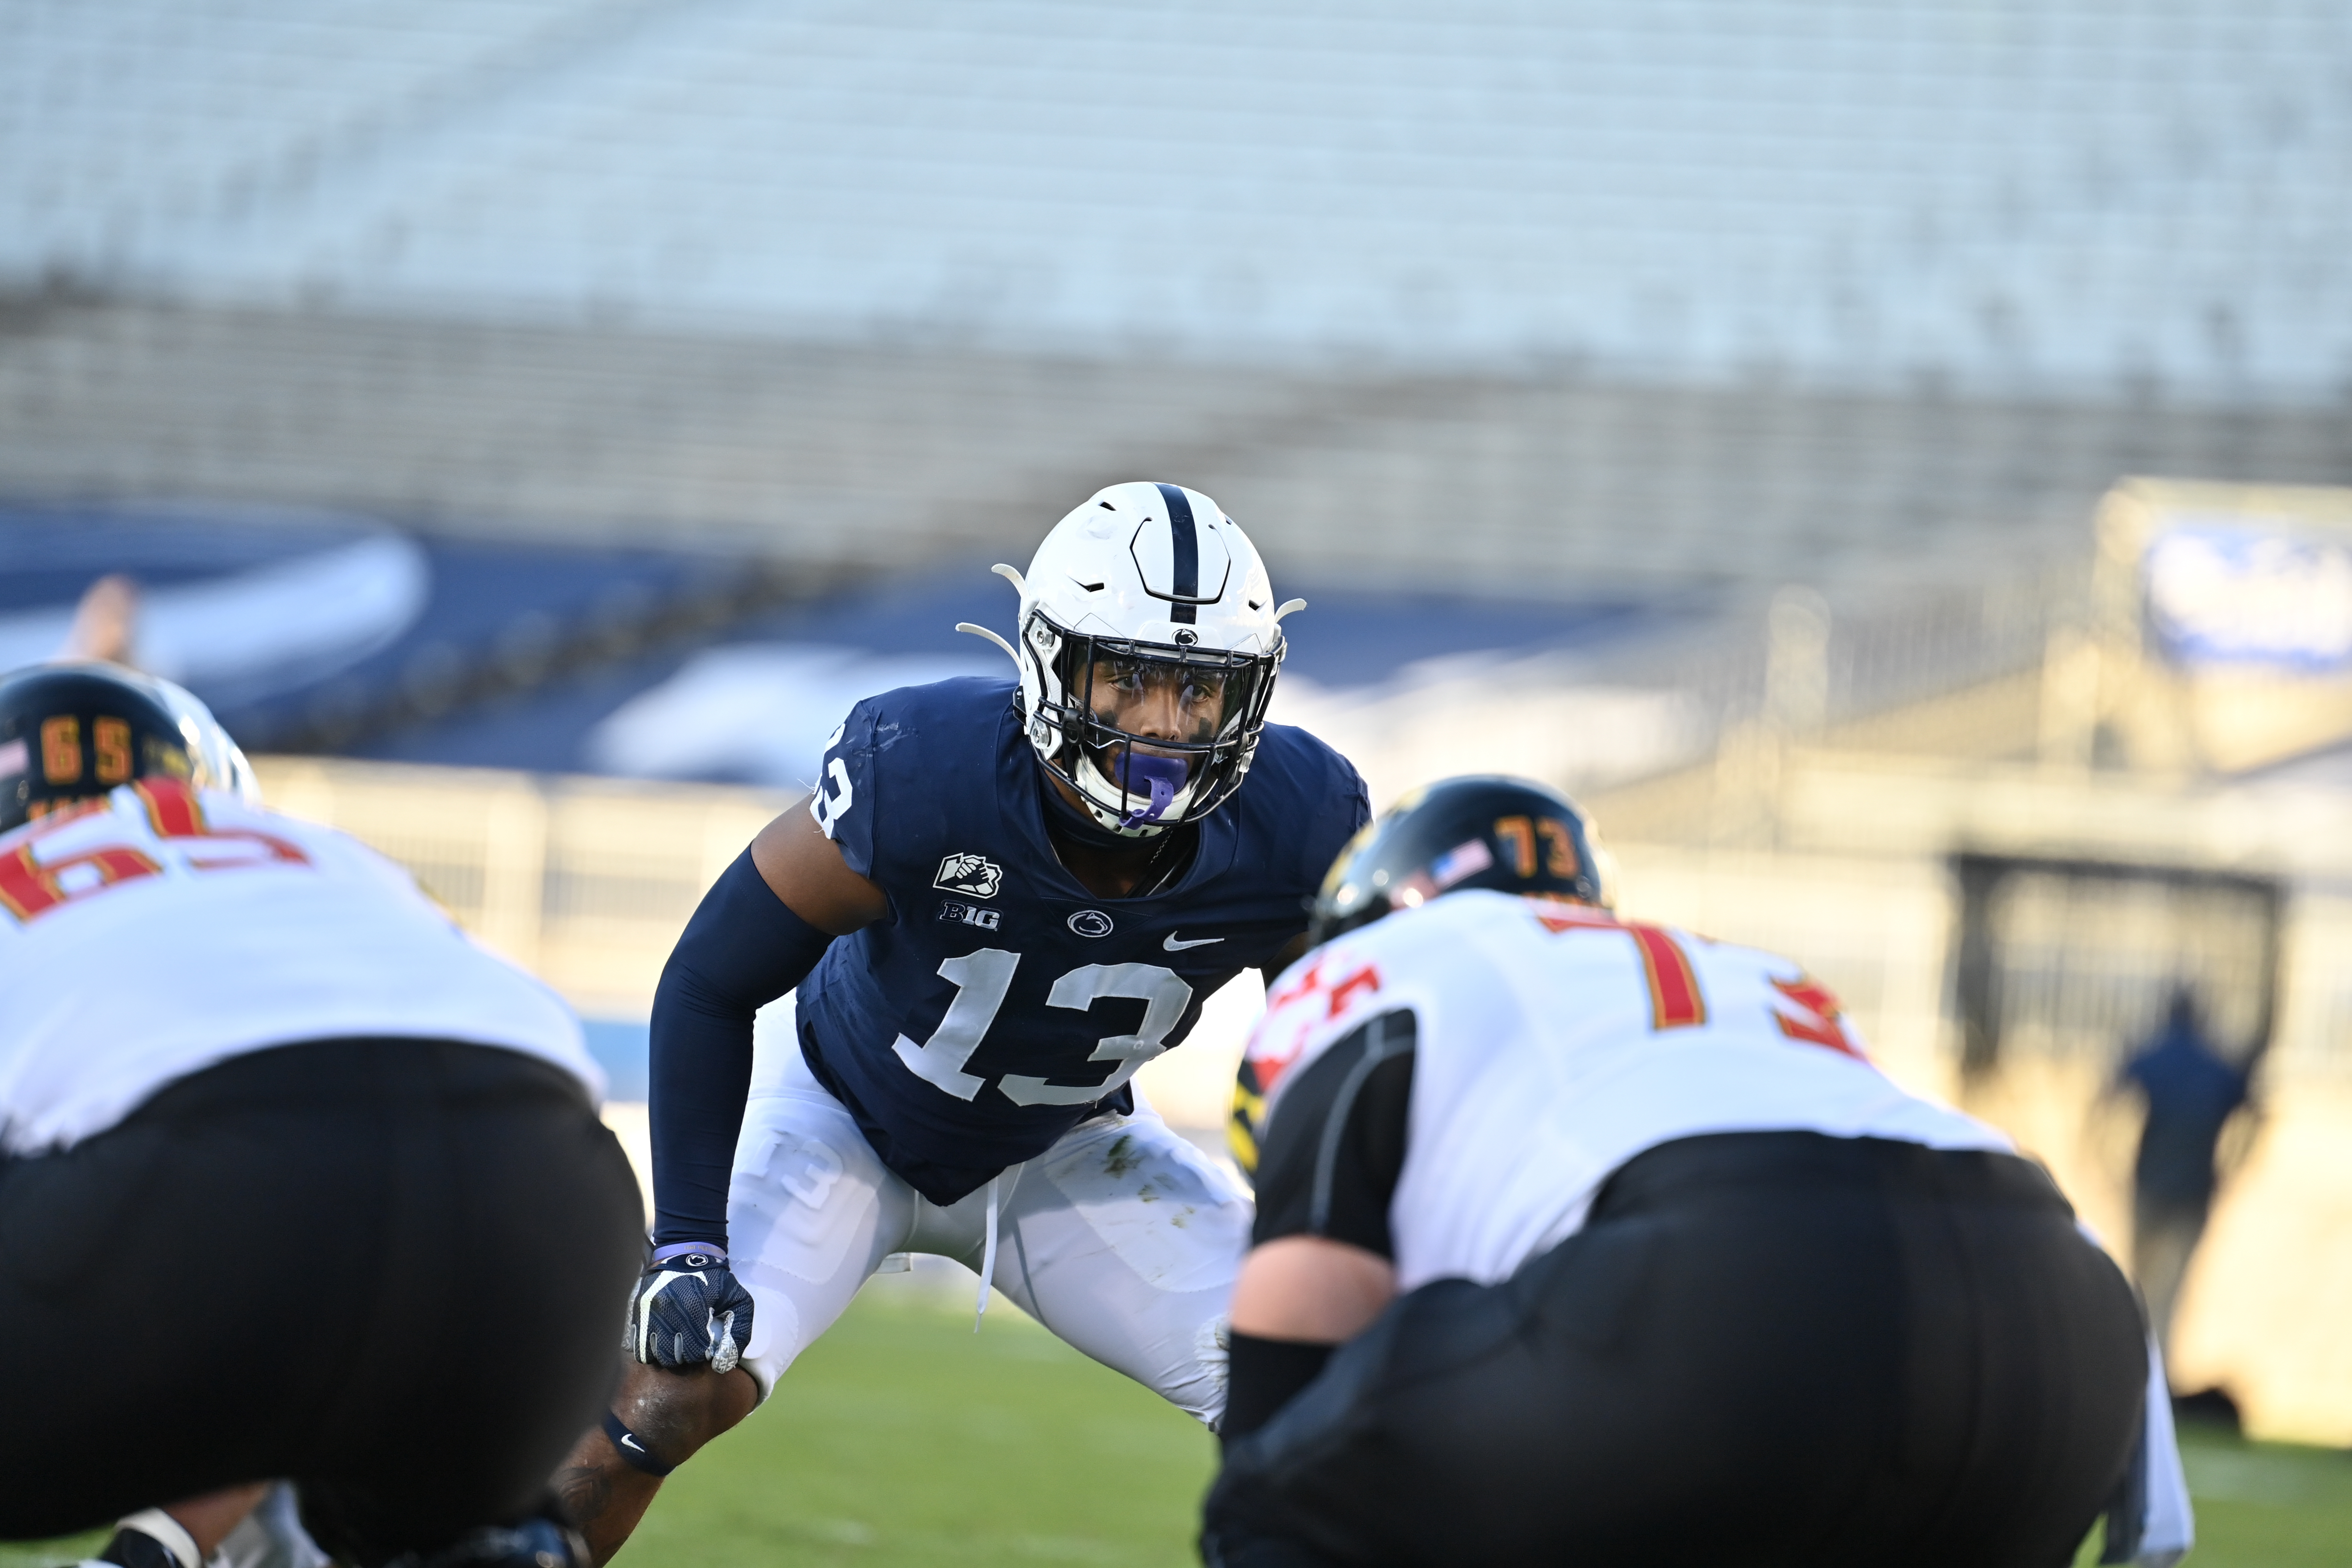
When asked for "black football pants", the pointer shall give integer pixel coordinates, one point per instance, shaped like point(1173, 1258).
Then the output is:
point(392, 1270)
point(1764, 1349)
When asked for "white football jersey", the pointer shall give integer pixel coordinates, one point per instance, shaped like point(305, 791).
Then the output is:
point(157, 931)
point(1553, 1042)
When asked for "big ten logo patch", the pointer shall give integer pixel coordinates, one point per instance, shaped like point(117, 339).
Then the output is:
point(785, 1214)
point(974, 876)
point(970, 914)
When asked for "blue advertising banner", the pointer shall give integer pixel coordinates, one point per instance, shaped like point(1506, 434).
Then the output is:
point(2222, 592)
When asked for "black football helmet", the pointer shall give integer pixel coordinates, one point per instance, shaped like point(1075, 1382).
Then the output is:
point(70, 732)
point(1508, 835)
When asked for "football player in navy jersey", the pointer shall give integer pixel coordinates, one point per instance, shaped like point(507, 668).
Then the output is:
point(1002, 899)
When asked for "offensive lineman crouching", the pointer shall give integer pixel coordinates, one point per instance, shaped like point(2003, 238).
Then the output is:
point(294, 1180)
point(1584, 1240)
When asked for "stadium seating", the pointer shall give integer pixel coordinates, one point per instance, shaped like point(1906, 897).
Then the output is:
point(2064, 196)
point(856, 457)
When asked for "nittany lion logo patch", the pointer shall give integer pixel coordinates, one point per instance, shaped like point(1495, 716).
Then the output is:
point(975, 875)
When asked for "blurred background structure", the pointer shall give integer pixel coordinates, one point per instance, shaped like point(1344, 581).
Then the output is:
point(1887, 459)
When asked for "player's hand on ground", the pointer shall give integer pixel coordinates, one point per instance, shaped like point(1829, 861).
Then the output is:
point(689, 1309)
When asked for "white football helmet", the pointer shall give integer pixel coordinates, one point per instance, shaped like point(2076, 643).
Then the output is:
point(1146, 581)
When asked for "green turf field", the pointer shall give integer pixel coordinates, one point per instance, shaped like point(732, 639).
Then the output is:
point(903, 1441)
point(901, 1438)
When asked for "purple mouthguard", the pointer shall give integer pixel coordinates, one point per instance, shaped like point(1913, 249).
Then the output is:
point(1163, 776)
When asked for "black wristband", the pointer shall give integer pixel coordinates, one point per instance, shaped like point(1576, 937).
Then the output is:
point(1262, 1376)
point(632, 1447)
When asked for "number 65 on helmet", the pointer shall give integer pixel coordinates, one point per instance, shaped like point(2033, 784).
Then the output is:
point(72, 731)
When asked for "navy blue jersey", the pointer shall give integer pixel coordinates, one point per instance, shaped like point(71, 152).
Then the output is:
point(999, 1001)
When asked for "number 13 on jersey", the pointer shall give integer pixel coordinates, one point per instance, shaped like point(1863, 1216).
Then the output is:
point(983, 978)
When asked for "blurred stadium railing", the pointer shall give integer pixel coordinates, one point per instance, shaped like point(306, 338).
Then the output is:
point(2068, 959)
point(586, 881)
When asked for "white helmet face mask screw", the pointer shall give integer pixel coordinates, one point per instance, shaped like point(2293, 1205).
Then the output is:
point(1148, 647)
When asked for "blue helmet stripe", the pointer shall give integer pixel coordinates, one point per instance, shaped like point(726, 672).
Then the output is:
point(1186, 541)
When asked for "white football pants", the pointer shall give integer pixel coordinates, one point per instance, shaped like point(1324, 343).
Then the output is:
point(1122, 1238)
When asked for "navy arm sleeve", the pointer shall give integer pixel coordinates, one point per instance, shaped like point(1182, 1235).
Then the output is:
point(743, 949)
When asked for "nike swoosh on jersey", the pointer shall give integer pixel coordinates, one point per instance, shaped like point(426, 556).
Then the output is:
point(1175, 944)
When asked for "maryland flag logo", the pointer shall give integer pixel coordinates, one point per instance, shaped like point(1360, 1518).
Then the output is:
point(1312, 1000)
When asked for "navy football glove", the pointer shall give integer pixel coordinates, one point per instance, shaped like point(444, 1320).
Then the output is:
point(688, 1309)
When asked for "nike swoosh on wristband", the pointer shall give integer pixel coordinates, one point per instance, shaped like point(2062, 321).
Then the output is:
point(1175, 944)
point(633, 1443)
